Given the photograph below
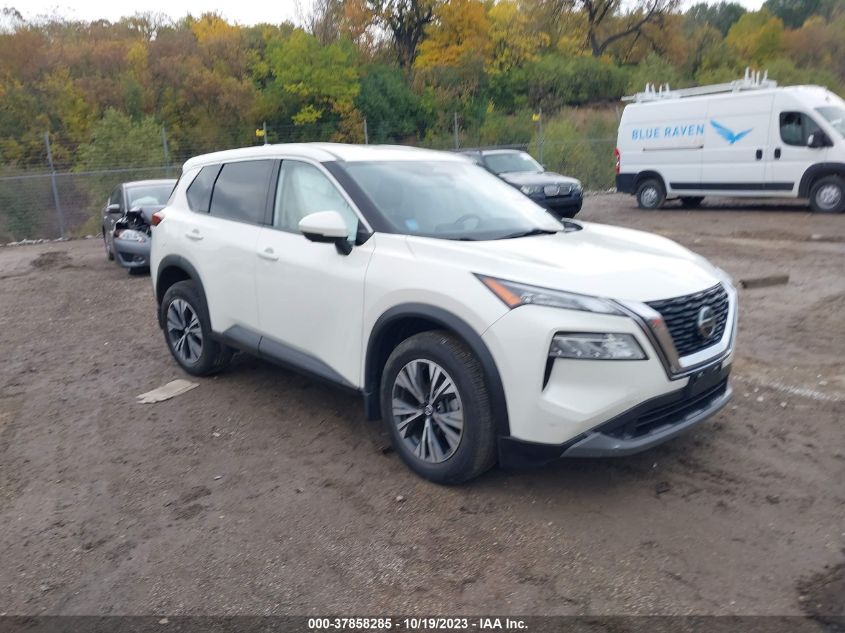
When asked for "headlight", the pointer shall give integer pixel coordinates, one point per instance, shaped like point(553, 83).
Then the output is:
point(131, 235)
point(515, 294)
point(596, 347)
point(577, 188)
point(529, 189)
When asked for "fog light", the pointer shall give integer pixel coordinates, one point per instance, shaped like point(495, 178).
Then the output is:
point(588, 346)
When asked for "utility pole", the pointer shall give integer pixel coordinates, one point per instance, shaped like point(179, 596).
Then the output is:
point(166, 151)
point(457, 143)
point(366, 135)
point(265, 132)
point(55, 187)
point(542, 140)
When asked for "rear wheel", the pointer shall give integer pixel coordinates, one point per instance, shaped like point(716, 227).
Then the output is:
point(436, 407)
point(827, 195)
point(651, 194)
point(187, 331)
point(691, 202)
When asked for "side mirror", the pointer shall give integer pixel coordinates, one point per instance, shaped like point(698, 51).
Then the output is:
point(113, 208)
point(817, 140)
point(329, 227)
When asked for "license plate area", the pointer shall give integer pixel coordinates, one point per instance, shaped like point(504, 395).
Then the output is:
point(707, 378)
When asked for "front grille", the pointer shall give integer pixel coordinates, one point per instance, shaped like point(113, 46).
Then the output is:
point(681, 317)
point(667, 415)
point(557, 190)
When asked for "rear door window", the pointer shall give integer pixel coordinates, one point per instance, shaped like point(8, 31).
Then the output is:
point(240, 193)
point(199, 191)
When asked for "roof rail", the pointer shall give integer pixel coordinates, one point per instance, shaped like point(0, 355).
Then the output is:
point(751, 81)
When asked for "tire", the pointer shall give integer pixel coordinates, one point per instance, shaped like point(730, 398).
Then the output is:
point(651, 194)
point(827, 195)
point(691, 202)
point(571, 213)
point(109, 253)
point(187, 331)
point(454, 453)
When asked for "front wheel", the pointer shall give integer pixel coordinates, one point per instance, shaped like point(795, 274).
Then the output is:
point(651, 194)
point(436, 407)
point(827, 195)
point(109, 253)
point(187, 331)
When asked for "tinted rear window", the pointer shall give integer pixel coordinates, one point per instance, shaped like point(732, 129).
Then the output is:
point(199, 193)
point(240, 192)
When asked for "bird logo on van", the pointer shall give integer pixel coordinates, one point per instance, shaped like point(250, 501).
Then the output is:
point(727, 134)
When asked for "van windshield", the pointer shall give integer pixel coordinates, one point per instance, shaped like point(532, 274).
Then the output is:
point(834, 115)
point(449, 200)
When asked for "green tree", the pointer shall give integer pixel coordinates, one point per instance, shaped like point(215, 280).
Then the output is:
point(392, 110)
point(721, 16)
point(793, 12)
point(756, 37)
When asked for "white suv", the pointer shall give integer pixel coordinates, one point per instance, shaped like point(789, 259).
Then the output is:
point(475, 324)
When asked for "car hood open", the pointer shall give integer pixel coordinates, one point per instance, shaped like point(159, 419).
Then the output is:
point(598, 260)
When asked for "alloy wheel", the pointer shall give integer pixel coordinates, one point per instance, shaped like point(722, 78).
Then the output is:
point(427, 411)
point(184, 331)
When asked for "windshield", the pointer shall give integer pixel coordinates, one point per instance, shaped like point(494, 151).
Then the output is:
point(450, 200)
point(149, 195)
point(512, 162)
point(834, 115)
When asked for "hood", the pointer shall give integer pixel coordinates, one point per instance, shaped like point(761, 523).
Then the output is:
point(520, 178)
point(599, 260)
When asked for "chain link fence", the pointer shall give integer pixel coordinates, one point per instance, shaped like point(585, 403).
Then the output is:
point(38, 203)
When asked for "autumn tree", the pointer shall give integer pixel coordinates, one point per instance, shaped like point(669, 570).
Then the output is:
point(756, 37)
point(612, 20)
point(406, 21)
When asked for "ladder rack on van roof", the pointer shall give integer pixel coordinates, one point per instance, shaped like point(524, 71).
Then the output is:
point(751, 81)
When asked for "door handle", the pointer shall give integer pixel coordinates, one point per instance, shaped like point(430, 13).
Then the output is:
point(194, 235)
point(268, 254)
point(759, 154)
point(777, 152)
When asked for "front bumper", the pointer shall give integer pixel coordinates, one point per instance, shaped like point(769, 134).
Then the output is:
point(590, 408)
point(562, 205)
point(132, 254)
point(639, 429)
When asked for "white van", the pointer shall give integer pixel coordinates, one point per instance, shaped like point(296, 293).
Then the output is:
point(746, 138)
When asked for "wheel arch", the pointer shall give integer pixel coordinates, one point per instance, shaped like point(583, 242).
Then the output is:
point(814, 172)
point(173, 269)
point(402, 322)
point(646, 175)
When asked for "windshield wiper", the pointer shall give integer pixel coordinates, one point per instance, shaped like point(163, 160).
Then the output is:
point(528, 233)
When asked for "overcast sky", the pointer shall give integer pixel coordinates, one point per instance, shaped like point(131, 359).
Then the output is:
point(242, 11)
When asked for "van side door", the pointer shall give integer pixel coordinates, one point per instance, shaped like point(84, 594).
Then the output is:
point(790, 156)
point(736, 144)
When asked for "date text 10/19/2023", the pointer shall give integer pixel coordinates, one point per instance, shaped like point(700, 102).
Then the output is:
point(417, 624)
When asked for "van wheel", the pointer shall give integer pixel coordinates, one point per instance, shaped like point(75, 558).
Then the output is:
point(691, 202)
point(436, 407)
point(650, 194)
point(187, 331)
point(827, 195)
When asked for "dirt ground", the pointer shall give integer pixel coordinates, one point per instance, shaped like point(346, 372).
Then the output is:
point(263, 492)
